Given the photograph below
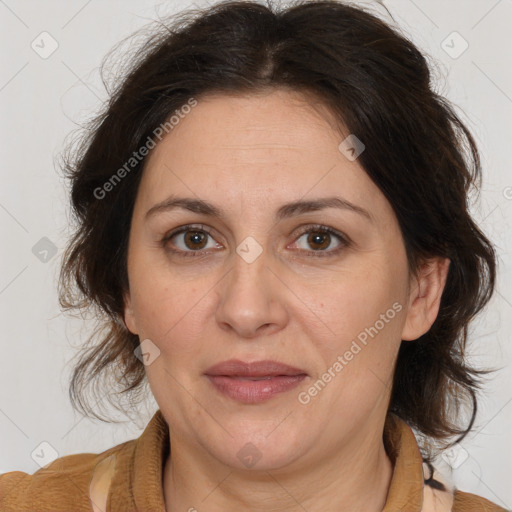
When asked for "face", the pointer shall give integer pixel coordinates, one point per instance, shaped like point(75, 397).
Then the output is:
point(324, 290)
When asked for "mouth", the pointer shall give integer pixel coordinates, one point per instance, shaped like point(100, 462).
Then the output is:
point(254, 382)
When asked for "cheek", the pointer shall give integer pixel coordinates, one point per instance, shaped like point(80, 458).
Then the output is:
point(154, 294)
point(360, 297)
point(162, 311)
point(171, 312)
point(364, 313)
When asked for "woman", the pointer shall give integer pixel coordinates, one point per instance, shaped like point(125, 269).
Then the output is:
point(272, 220)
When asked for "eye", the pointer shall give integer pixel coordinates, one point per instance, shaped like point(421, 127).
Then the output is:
point(320, 238)
point(189, 239)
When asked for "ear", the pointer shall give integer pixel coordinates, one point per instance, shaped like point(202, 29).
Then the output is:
point(129, 317)
point(426, 289)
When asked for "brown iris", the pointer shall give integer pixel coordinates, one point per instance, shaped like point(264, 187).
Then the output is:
point(195, 237)
point(316, 237)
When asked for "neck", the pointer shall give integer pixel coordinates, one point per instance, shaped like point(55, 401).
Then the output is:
point(355, 478)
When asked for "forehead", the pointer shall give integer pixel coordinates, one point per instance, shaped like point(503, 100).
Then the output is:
point(278, 144)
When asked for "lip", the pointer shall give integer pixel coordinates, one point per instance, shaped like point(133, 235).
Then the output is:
point(266, 368)
point(237, 379)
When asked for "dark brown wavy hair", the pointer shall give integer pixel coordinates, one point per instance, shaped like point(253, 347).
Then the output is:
point(380, 87)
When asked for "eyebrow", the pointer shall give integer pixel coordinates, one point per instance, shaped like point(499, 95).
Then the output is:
point(285, 211)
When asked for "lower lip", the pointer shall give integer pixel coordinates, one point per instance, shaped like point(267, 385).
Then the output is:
point(254, 391)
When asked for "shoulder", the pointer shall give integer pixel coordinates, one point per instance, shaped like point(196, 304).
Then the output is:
point(467, 502)
point(63, 484)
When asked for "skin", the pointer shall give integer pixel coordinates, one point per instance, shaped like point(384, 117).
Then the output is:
point(248, 155)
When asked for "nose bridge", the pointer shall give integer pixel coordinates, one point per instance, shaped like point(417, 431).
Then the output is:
point(250, 250)
point(250, 264)
point(248, 296)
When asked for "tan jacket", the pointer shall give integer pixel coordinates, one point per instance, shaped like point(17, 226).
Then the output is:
point(128, 478)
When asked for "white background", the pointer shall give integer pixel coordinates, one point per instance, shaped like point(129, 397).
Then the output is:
point(42, 100)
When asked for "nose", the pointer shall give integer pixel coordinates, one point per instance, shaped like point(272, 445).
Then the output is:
point(252, 298)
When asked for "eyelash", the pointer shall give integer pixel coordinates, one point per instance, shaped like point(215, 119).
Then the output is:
point(317, 228)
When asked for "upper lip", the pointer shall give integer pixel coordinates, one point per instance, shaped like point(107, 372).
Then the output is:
point(235, 367)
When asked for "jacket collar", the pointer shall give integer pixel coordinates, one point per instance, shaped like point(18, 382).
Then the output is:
point(406, 488)
point(146, 461)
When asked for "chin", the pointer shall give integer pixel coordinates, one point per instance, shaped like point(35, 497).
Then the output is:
point(261, 450)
